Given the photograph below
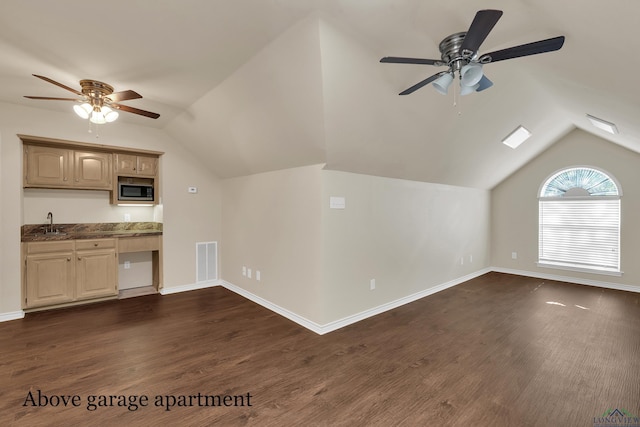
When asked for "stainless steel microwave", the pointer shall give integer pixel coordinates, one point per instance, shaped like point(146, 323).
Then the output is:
point(136, 192)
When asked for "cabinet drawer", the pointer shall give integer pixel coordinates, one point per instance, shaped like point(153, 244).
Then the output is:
point(45, 247)
point(139, 244)
point(95, 244)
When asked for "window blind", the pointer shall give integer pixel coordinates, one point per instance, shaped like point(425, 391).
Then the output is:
point(580, 233)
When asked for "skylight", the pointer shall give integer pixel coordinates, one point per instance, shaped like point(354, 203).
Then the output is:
point(603, 124)
point(517, 137)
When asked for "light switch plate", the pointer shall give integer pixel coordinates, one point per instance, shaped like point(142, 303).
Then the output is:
point(336, 202)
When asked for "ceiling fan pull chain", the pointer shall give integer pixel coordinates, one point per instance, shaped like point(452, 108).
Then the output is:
point(456, 99)
point(455, 93)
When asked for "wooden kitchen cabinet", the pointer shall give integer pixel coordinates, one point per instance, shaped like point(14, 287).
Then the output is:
point(50, 273)
point(129, 164)
point(96, 268)
point(47, 166)
point(68, 271)
point(92, 170)
point(53, 167)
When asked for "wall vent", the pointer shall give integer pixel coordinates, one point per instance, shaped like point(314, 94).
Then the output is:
point(206, 261)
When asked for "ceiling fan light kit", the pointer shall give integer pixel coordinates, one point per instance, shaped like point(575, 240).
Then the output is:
point(443, 82)
point(97, 101)
point(95, 115)
point(459, 52)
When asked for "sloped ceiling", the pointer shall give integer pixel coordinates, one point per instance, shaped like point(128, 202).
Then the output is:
point(258, 85)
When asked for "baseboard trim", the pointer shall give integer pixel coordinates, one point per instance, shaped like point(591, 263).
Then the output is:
point(346, 321)
point(302, 321)
point(349, 320)
point(12, 315)
point(190, 287)
point(569, 279)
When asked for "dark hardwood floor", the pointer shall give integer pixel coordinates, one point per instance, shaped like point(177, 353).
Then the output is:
point(499, 350)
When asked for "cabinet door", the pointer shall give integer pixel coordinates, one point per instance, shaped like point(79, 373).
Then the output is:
point(96, 273)
point(147, 165)
point(47, 167)
point(129, 164)
point(49, 279)
point(92, 170)
point(126, 164)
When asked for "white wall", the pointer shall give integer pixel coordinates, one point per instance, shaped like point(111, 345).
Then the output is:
point(515, 207)
point(188, 218)
point(317, 262)
point(409, 236)
point(72, 206)
point(272, 223)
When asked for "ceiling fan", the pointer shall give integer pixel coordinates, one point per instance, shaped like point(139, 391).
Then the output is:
point(97, 101)
point(459, 52)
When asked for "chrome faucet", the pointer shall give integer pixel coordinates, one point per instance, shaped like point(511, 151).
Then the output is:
point(50, 218)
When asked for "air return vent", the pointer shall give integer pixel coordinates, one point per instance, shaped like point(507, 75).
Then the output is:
point(206, 261)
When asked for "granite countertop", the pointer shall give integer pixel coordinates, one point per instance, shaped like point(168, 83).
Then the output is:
point(37, 232)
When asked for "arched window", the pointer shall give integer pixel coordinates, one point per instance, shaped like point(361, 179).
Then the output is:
point(579, 221)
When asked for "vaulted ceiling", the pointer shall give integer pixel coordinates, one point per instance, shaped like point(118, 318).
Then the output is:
point(258, 85)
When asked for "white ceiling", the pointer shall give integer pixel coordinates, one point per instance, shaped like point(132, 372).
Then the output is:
point(258, 85)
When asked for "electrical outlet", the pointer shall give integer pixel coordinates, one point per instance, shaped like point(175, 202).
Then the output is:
point(244, 270)
point(127, 265)
point(258, 275)
point(127, 217)
point(249, 273)
point(461, 260)
point(372, 284)
point(514, 255)
point(192, 190)
point(470, 259)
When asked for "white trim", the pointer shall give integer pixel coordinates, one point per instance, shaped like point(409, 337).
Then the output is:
point(559, 266)
point(346, 321)
point(576, 280)
point(302, 321)
point(191, 287)
point(12, 315)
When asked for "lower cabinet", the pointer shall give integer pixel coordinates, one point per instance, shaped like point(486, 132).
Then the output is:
point(67, 271)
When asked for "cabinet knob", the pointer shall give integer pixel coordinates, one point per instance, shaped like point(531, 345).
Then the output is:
point(95, 244)
point(79, 259)
point(68, 259)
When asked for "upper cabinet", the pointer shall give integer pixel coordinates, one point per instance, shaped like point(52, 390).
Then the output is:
point(47, 166)
point(56, 163)
point(52, 167)
point(92, 170)
point(129, 164)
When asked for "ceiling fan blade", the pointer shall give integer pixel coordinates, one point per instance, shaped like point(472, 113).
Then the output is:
point(480, 28)
point(47, 79)
point(542, 46)
point(124, 96)
point(52, 99)
point(422, 83)
point(135, 111)
point(398, 60)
